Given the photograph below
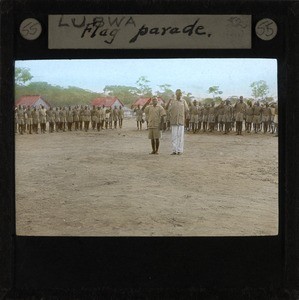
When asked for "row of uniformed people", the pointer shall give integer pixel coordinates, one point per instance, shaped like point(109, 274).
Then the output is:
point(226, 116)
point(80, 117)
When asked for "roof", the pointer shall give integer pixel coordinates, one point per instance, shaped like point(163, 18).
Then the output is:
point(106, 101)
point(142, 101)
point(29, 100)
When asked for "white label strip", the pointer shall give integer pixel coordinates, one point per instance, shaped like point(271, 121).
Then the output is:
point(149, 31)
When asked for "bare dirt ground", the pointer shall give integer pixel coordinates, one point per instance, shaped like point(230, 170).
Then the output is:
point(106, 184)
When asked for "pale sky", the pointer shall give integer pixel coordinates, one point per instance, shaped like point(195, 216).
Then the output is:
point(233, 76)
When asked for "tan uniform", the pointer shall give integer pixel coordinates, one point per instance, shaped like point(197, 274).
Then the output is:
point(102, 114)
point(43, 115)
point(86, 118)
point(139, 114)
point(76, 116)
point(69, 116)
point(35, 117)
point(94, 115)
point(194, 113)
point(200, 114)
point(155, 119)
point(107, 117)
point(81, 117)
point(115, 114)
point(249, 114)
point(155, 114)
point(51, 119)
point(257, 110)
point(94, 118)
point(57, 116)
point(29, 116)
point(87, 115)
point(98, 115)
point(98, 118)
point(211, 118)
point(227, 113)
point(177, 112)
point(239, 111)
point(272, 113)
point(266, 114)
point(220, 112)
point(62, 114)
point(205, 114)
point(50, 116)
point(120, 116)
point(21, 117)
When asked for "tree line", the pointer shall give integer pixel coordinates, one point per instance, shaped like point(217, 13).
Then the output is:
point(70, 96)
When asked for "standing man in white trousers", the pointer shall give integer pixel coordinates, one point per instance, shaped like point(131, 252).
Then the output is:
point(177, 111)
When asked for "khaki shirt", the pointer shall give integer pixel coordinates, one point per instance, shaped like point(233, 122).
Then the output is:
point(177, 112)
point(205, 111)
point(220, 110)
point(121, 114)
point(194, 110)
point(257, 110)
point(20, 113)
point(57, 116)
point(212, 110)
point(240, 107)
point(155, 114)
point(115, 114)
point(102, 113)
point(76, 114)
point(249, 111)
point(51, 115)
point(86, 115)
point(227, 110)
point(266, 111)
point(35, 115)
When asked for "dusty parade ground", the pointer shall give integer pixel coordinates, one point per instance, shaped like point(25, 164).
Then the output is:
point(106, 184)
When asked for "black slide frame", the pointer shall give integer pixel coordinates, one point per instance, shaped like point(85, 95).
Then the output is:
point(160, 266)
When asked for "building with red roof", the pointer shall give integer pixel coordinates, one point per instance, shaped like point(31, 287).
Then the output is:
point(141, 101)
point(107, 102)
point(32, 101)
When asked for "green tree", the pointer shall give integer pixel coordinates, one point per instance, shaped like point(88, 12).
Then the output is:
point(144, 89)
point(165, 92)
point(214, 90)
point(218, 100)
point(127, 94)
point(22, 75)
point(207, 100)
point(259, 89)
point(57, 95)
point(188, 97)
point(269, 99)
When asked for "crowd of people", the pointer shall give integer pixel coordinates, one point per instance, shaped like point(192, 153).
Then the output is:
point(194, 117)
point(225, 117)
point(34, 119)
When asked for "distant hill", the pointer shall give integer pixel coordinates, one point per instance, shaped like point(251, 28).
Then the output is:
point(57, 95)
